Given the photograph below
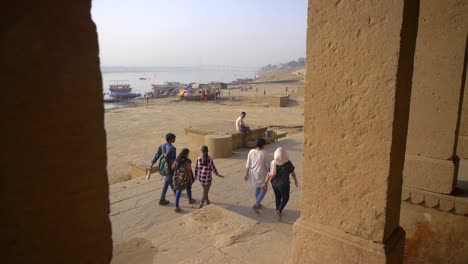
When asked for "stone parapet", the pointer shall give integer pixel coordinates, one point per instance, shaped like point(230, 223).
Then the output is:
point(432, 175)
point(447, 203)
point(314, 243)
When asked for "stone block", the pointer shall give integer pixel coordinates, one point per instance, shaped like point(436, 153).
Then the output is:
point(416, 198)
point(446, 205)
point(322, 244)
point(430, 201)
point(279, 101)
point(437, 78)
point(429, 174)
point(219, 146)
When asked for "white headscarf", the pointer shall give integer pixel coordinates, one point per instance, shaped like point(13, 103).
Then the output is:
point(280, 158)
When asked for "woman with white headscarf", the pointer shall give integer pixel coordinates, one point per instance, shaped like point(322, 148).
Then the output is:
point(280, 169)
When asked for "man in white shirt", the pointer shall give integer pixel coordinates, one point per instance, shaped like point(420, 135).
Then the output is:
point(241, 127)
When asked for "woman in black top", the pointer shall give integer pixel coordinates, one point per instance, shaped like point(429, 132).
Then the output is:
point(280, 169)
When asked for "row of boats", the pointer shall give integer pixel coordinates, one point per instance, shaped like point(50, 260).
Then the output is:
point(122, 90)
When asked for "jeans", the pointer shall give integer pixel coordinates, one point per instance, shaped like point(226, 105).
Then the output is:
point(281, 196)
point(167, 183)
point(259, 194)
point(206, 189)
point(178, 193)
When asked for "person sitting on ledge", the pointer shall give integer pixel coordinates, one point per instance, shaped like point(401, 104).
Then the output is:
point(240, 126)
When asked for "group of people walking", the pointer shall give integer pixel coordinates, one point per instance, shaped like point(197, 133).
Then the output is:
point(180, 175)
point(259, 172)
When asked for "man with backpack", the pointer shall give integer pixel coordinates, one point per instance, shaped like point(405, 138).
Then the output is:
point(166, 155)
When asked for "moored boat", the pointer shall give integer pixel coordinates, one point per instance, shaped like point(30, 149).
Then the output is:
point(121, 89)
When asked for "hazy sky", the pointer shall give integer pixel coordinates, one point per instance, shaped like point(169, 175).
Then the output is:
point(246, 33)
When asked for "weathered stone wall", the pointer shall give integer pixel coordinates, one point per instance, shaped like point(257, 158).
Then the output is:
point(360, 56)
point(436, 95)
point(54, 188)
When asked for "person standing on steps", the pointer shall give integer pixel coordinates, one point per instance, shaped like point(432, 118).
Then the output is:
point(280, 169)
point(203, 170)
point(256, 172)
point(169, 152)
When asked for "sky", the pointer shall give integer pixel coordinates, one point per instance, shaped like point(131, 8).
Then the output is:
point(194, 33)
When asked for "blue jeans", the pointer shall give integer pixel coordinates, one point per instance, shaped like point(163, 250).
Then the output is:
point(178, 193)
point(167, 183)
point(259, 194)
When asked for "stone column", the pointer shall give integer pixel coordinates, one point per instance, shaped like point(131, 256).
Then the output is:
point(356, 114)
point(431, 161)
point(54, 189)
point(462, 146)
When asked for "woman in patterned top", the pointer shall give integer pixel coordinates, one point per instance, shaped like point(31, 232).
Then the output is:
point(280, 169)
point(203, 169)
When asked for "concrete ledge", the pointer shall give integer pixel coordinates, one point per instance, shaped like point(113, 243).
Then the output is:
point(314, 243)
point(220, 144)
point(237, 141)
point(442, 202)
point(432, 175)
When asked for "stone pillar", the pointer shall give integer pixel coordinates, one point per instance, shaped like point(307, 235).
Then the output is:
point(462, 146)
point(54, 189)
point(356, 116)
point(431, 162)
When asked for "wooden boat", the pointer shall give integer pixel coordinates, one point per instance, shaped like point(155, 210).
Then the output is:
point(121, 90)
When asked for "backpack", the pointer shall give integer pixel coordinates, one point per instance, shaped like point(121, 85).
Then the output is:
point(163, 166)
point(180, 178)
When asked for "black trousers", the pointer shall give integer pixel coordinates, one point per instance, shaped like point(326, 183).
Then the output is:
point(281, 196)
